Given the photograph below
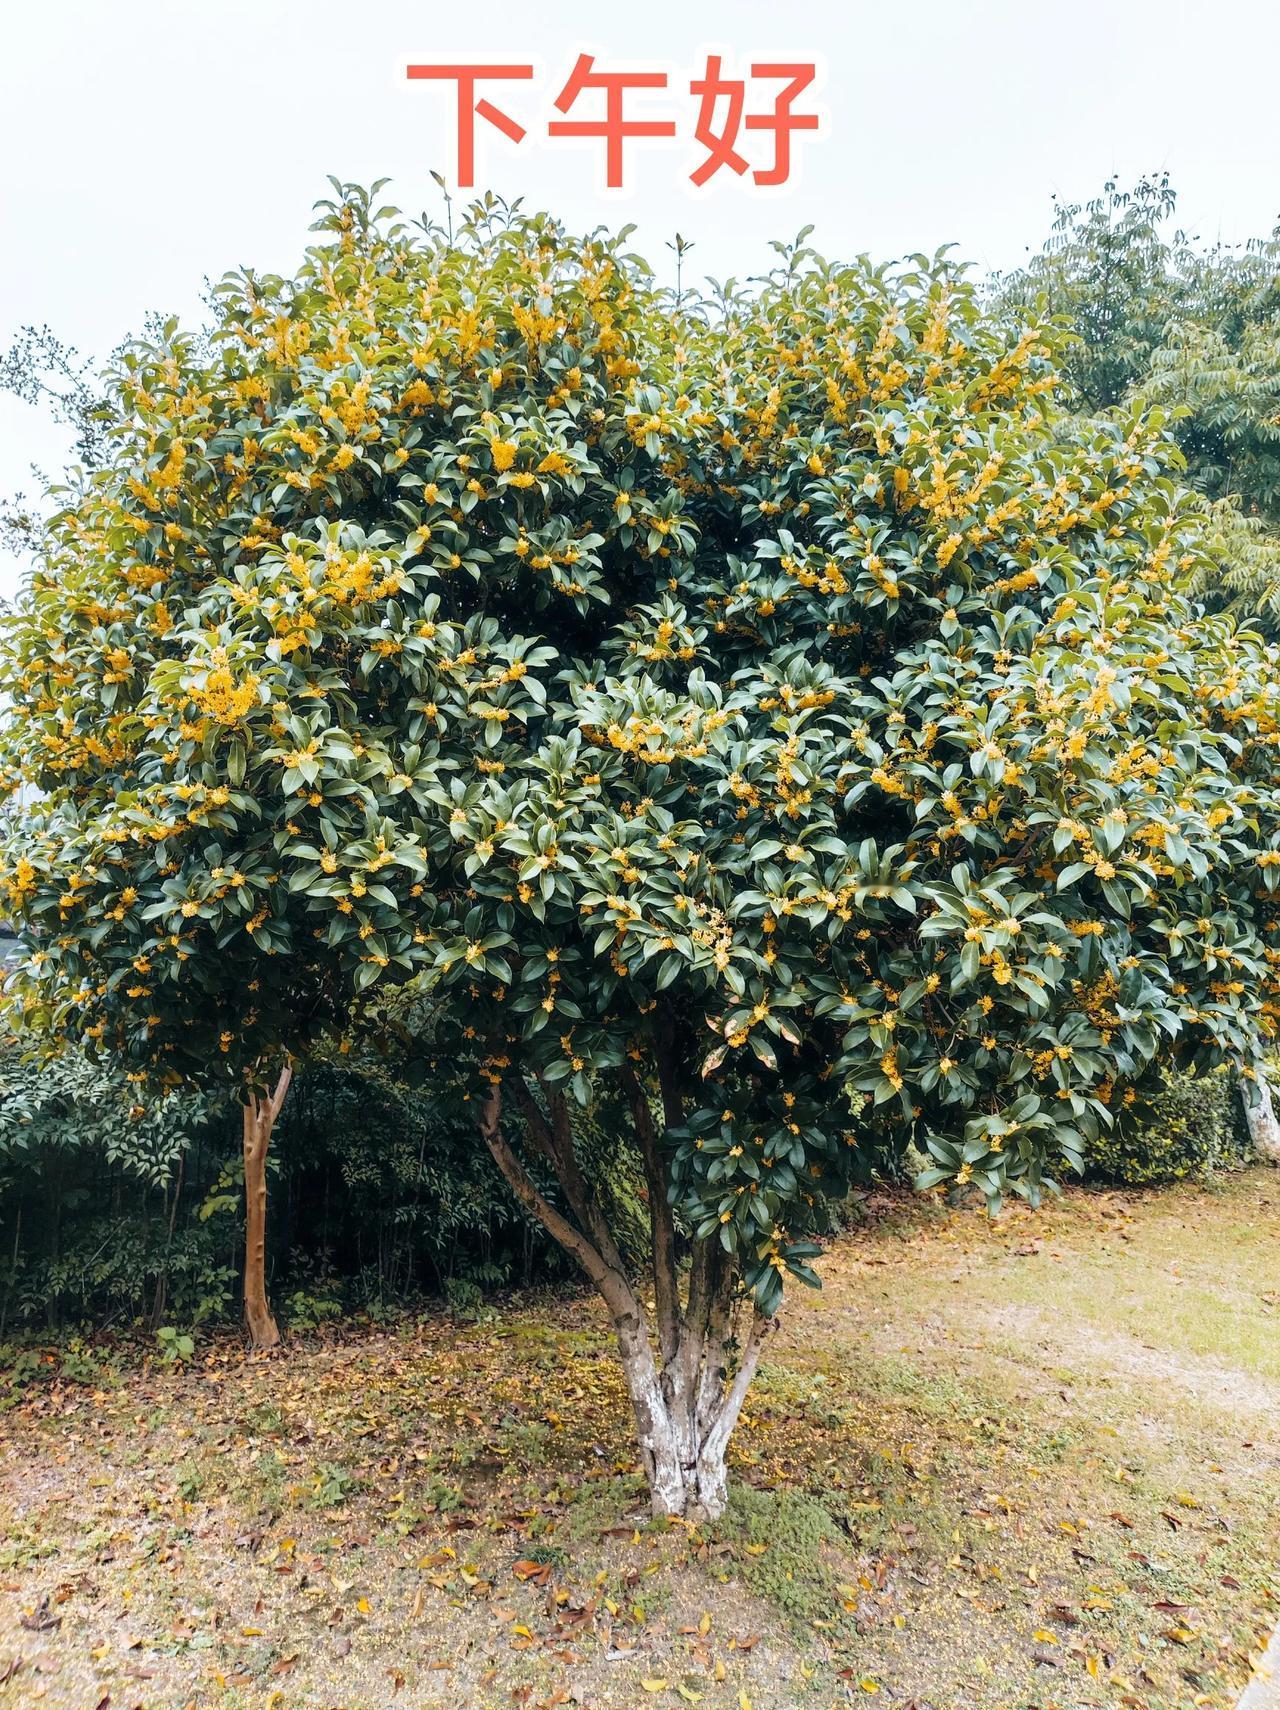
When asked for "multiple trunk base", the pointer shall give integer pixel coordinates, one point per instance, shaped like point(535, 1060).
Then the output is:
point(686, 1470)
point(687, 1392)
point(686, 1408)
point(687, 1381)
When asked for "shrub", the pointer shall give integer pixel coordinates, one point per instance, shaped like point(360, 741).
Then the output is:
point(1191, 1127)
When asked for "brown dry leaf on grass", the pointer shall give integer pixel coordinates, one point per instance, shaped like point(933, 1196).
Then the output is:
point(987, 1466)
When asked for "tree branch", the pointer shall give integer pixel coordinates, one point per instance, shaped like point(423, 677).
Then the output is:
point(708, 1362)
point(707, 1276)
point(666, 1281)
point(535, 1122)
point(611, 1283)
point(282, 1087)
point(668, 1072)
point(555, 1139)
point(715, 1439)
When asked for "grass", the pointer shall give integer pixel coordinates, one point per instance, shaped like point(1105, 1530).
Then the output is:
point(987, 1468)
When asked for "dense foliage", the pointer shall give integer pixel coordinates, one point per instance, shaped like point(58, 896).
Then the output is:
point(768, 717)
point(1189, 1127)
point(86, 1164)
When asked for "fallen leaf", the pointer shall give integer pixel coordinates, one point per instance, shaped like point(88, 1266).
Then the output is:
point(41, 1619)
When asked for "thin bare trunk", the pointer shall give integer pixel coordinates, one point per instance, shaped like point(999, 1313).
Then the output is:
point(13, 1270)
point(259, 1119)
point(161, 1297)
point(687, 1394)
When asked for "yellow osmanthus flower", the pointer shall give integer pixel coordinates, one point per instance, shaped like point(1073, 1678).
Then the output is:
point(224, 699)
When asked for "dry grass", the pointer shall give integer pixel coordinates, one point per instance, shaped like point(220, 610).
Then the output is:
point(1035, 1464)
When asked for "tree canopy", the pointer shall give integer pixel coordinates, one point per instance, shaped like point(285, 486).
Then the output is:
point(766, 713)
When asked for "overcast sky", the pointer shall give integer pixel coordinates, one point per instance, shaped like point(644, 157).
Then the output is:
point(148, 144)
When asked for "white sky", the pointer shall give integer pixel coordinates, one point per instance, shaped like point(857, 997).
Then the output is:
point(147, 144)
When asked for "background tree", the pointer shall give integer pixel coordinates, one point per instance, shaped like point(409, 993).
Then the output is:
point(1160, 320)
point(765, 722)
point(45, 371)
point(62, 1119)
point(1112, 272)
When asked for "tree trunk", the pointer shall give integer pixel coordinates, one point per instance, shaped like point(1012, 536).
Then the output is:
point(1264, 1129)
point(685, 1417)
point(161, 1296)
point(687, 1393)
point(259, 1119)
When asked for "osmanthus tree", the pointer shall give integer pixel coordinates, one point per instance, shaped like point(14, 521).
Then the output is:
point(167, 767)
point(762, 720)
point(1161, 321)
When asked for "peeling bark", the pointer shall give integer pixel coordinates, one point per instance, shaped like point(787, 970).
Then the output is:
point(259, 1116)
point(686, 1394)
point(1264, 1129)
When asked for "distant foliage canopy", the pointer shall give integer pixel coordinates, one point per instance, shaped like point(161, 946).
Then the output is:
point(1159, 319)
